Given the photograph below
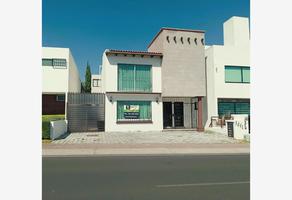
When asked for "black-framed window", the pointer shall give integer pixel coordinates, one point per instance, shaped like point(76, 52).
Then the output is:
point(96, 82)
point(237, 74)
point(60, 97)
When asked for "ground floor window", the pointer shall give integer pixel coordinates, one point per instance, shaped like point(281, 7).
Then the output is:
point(133, 110)
point(60, 97)
point(233, 106)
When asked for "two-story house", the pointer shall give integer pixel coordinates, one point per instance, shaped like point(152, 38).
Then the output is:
point(132, 86)
point(59, 76)
point(228, 71)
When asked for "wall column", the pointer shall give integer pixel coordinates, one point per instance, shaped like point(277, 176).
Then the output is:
point(200, 127)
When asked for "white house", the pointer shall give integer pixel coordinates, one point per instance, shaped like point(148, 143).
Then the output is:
point(228, 71)
point(59, 76)
point(132, 87)
point(96, 83)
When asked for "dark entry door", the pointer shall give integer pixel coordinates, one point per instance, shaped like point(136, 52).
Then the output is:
point(167, 114)
point(178, 114)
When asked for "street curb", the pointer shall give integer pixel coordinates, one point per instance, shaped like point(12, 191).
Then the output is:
point(142, 151)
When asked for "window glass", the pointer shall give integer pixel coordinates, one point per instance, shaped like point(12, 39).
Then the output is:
point(134, 78)
point(126, 77)
point(47, 62)
point(60, 97)
point(59, 62)
point(134, 110)
point(246, 75)
point(232, 74)
point(143, 79)
point(95, 83)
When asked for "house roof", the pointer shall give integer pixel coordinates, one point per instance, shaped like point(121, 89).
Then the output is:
point(128, 52)
point(174, 29)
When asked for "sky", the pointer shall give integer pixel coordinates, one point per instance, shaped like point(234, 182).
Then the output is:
point(88, 27)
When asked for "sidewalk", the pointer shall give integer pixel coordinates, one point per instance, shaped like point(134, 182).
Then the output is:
point(142, 149)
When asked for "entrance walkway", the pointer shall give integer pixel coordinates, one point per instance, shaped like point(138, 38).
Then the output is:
point(165, 137)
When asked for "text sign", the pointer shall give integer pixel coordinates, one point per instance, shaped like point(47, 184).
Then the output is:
point(131, 112)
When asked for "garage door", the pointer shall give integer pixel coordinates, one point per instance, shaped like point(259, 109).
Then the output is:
point(85, 112)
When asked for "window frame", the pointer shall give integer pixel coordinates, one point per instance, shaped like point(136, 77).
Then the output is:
point(241, 73)
point(97, 81)
point(135, 66)
point(54, 61)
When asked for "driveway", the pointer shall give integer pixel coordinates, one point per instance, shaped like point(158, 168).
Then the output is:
point(164, 137)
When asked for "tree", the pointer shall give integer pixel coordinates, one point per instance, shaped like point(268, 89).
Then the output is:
point(87, 85)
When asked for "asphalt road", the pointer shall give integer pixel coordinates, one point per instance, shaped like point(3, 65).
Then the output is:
point(202, 177)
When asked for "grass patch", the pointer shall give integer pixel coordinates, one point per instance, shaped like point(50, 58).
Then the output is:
point(46, 124)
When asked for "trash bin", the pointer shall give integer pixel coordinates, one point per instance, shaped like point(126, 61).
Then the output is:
point(230, 128)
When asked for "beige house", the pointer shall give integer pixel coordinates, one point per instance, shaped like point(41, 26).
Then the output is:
point(183, 76)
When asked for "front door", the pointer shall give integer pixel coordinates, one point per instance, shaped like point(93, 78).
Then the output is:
point(178, 114)
point(167, 114)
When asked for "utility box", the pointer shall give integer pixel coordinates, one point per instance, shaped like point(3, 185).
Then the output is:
point(230, 128)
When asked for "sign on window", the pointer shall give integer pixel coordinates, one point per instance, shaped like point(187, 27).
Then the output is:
point(131, 112)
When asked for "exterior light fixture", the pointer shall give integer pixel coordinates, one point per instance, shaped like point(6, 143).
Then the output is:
point(111, 99)
point(157, 99)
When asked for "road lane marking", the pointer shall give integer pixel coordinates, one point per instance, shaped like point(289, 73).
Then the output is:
point(203, 184)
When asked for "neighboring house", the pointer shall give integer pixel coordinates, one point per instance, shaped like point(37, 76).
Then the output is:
point(59, 76)
point(132, 86)
point(183, 77)
point(228, 71)
point(96, 86)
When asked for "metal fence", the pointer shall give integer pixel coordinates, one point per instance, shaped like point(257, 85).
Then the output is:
point(85, 112)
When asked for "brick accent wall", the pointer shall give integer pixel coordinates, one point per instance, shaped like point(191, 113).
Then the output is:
point(50, 105)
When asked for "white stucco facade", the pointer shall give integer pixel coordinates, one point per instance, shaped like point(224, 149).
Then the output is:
point(234, 52)
point(96, 83)
point(109, 78)
point(60, 79)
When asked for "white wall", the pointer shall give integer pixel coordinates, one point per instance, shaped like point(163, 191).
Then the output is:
point(110, 70)
point(233, 53)
point(74, 79)
point(97, 89)
point(58, 80)
point(55, 80)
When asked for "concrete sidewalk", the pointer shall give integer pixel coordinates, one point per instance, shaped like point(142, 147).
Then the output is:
point(142, 149)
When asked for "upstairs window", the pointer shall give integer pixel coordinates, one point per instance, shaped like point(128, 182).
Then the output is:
point(55, 62)
point(59, 62)
point(134, 78)
point(96, 82)
point(237, 74)
point(47, 62)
